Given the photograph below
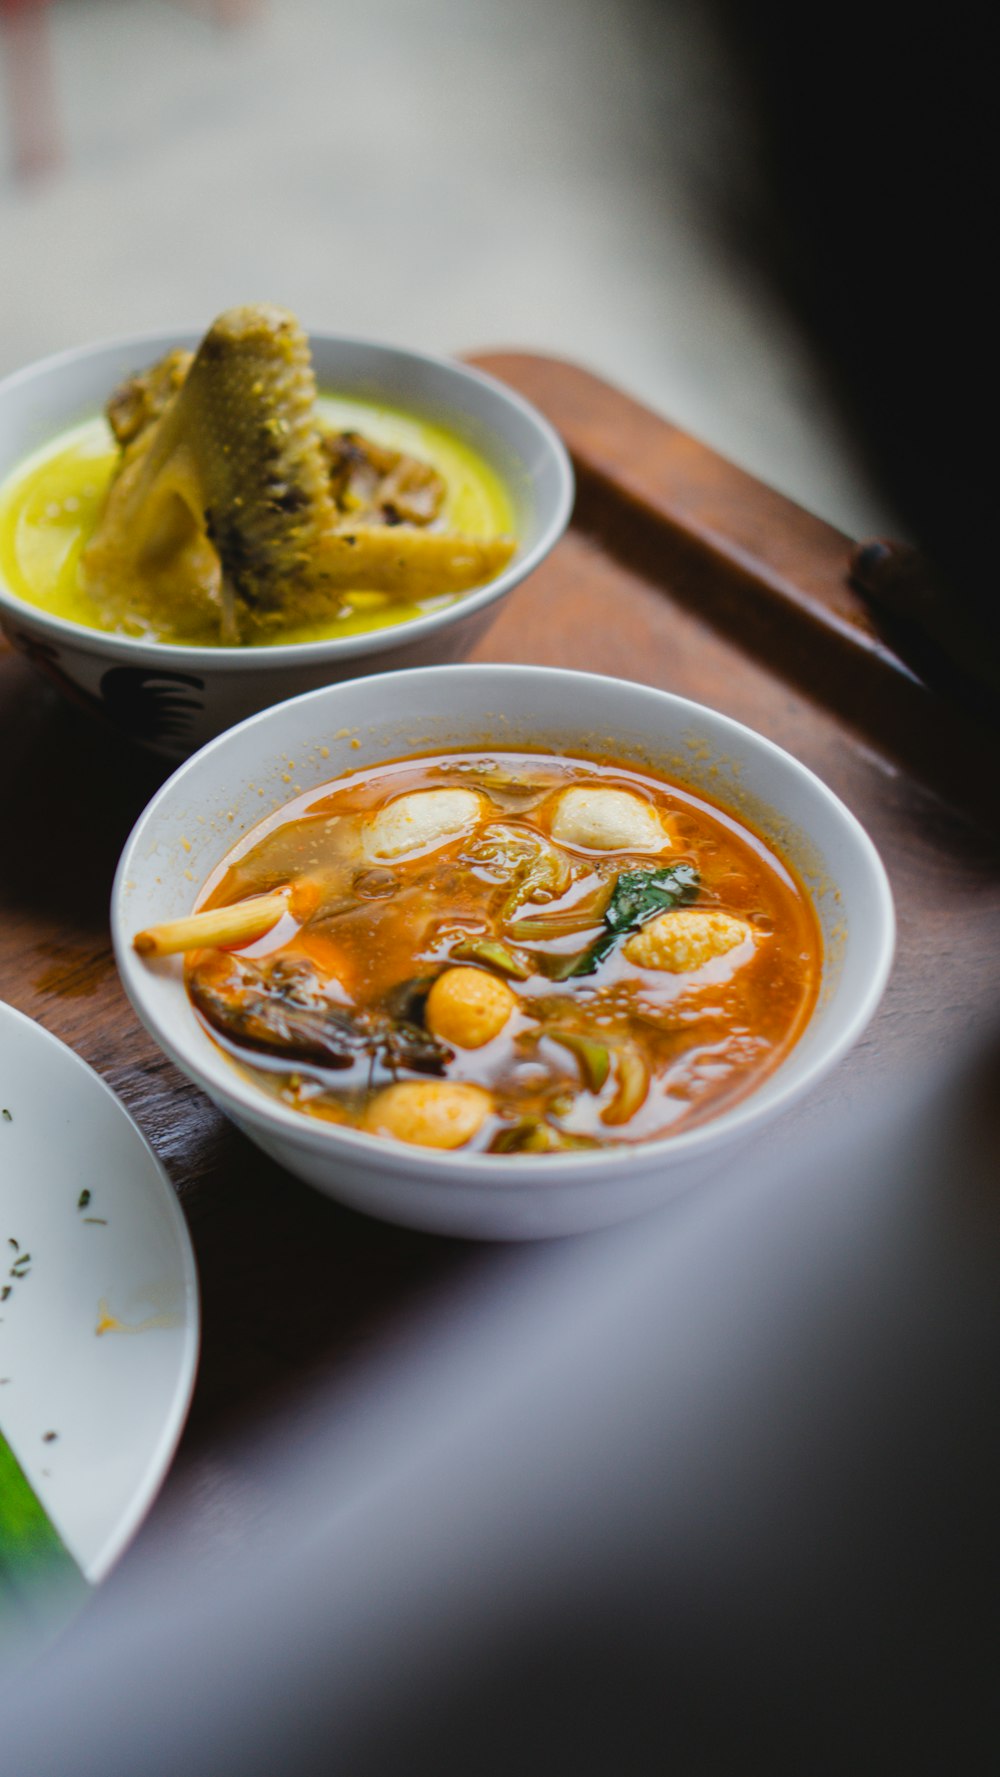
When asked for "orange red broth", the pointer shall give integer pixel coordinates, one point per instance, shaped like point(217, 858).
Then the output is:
point(701, 1039)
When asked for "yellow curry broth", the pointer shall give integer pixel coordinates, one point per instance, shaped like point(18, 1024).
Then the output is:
point(50, 506)
point(700, 1038)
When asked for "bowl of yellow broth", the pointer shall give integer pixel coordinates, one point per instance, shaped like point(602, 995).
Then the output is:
point(504, 470)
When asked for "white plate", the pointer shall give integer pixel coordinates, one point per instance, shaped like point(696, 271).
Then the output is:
point(99, 1331)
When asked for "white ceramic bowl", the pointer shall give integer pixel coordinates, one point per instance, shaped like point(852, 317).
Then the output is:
point(238, 778)
point(173, 699)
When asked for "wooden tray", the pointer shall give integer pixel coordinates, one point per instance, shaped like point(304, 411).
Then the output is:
point(679, 571)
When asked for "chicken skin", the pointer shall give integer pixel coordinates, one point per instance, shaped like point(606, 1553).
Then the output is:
point(232, 510)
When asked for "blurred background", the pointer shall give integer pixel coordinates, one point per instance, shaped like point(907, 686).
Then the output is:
point(449, 174)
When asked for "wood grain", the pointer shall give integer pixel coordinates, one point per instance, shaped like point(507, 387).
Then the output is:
point(768, 574)
point(680, 571)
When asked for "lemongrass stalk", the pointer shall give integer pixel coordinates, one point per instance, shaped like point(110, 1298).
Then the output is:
point(240, 923)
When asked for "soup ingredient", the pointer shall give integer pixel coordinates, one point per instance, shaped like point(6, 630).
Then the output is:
point(632, 1075)
point(607, 820)
point(637, 896)
point(420, 822)
point(535, 1135)
point(380, 485)
point(141, 399)
point(281, 1007)
point(532, 868)
point(493, 955)
point(594, 1058)
point(429, 1115)
point(468, 1007)
point(224, 496)
point(685, 940)
point(238, 924)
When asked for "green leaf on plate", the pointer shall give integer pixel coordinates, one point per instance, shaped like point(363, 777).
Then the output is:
point(39, 1580)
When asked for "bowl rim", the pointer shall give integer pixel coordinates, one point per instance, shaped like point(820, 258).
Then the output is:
point(248, 1105)
point(277, 655)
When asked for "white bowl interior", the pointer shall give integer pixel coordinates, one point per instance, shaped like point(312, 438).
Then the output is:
point(240, 777)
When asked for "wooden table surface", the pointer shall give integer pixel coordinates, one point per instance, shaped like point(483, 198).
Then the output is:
point(679, 571)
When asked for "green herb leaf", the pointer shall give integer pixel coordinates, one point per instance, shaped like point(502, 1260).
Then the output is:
point(638, 896)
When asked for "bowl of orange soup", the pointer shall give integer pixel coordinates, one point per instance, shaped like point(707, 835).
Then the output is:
point(500, 952)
